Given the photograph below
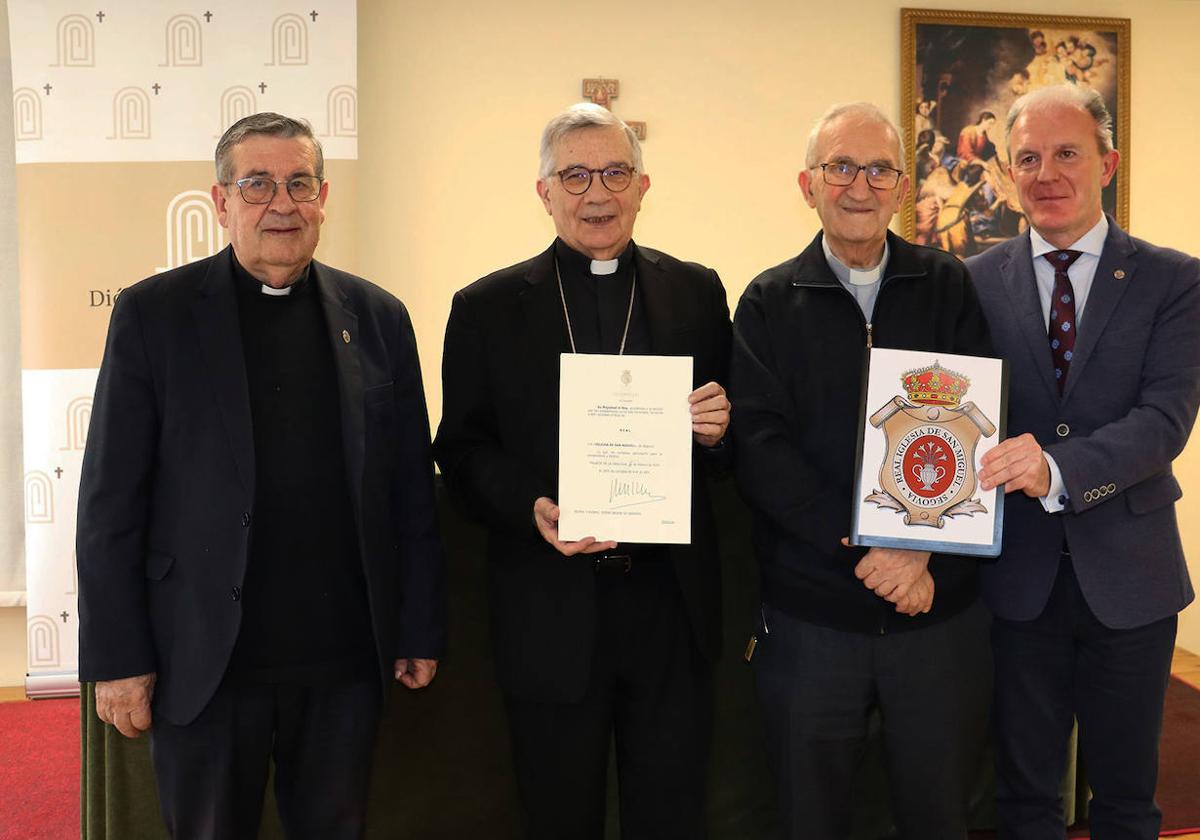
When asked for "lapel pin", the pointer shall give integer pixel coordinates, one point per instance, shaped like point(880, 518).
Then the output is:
point(1119, 274)
point(346, 336)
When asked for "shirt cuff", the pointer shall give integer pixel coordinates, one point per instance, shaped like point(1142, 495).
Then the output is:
point(1055, 500)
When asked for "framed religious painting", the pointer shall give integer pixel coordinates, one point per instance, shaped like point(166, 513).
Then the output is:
point(960, 74)
point(926, 421)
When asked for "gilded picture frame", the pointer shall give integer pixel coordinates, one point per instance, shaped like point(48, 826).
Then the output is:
point(960, 73)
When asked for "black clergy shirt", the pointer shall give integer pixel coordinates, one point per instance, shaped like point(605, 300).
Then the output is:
point(305, 615)
point(598, 304)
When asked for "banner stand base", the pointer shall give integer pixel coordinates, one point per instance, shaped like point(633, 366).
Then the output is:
point(50, 685)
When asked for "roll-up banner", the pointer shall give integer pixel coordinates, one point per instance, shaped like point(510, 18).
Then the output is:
point(117, 108)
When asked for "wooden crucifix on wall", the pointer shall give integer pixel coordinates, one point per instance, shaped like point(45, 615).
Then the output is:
point(603, 92)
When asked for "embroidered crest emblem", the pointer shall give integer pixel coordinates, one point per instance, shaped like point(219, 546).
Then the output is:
point(928, 469)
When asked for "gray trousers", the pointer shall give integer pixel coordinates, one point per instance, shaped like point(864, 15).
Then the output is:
point(818, 688)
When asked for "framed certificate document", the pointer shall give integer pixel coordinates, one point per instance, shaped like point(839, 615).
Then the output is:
point(625, 448)
point(926, 420)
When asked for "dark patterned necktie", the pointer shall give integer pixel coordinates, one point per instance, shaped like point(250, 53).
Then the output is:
point(1062, 315)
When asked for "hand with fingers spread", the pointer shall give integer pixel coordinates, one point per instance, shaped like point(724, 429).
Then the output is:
point(710, 413)
point(545, 517)
point(1017, 463)
point(125, 703)
point(415, 673)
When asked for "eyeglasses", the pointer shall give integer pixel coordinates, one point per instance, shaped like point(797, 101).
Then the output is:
point(578, 179)
point(878, 176)
point(258, 190)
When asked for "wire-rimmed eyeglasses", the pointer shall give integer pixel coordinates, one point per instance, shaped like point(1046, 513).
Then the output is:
point(842, 174)
point(259, 190)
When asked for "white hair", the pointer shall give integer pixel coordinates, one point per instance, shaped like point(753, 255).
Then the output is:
point(577, 117)
point(863, 110)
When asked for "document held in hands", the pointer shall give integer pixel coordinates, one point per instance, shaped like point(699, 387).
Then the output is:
point(625, 448)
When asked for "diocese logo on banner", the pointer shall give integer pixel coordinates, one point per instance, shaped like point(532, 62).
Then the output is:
point(928, 469)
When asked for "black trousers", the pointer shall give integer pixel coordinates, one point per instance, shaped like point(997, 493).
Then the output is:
point(650, 689)
point(818, 687)
point(212, 773)
point(1065, 665)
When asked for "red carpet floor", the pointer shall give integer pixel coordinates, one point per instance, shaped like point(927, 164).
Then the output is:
point(39, 770)
point(1179, 760)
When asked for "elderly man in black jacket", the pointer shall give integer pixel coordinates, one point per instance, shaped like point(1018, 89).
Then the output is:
point(257, 545)
point(843, 630)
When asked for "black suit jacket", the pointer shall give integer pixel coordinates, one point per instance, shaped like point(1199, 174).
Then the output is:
point(498, 449)
point(166, 495)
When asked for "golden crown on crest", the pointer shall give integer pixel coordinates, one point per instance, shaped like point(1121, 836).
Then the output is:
point(935, 385)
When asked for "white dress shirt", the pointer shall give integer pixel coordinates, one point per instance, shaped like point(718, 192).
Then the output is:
point(1081, 272)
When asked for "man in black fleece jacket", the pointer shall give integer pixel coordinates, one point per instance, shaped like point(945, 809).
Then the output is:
point(844, 630)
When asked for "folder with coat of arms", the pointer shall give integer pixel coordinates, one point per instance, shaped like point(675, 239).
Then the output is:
point(926, 421)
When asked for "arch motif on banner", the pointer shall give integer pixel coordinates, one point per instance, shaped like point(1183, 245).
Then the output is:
point(289, 41)
point(43, 642)
point(76, 42)
point(342, 112)
point(185, 43)
point(27, 114)
point(131, 114)
point(79, 414)
point(192, 229)
point(39, 498)
point(236, 102)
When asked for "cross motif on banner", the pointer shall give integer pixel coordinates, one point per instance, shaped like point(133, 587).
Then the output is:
point(100, 16)
point(313, 15)
point(156, 88)
point(602, 92)
point(64, 615)
point(47, 87)
point(262, 87)
point(58, 472)
point(208, 17)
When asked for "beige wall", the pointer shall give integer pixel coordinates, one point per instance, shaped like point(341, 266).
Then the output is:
point(12, 646)
point(453, 95)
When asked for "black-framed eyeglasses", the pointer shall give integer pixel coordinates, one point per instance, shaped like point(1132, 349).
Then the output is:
point(259, 190)
point(578, 179)
point(842, 174)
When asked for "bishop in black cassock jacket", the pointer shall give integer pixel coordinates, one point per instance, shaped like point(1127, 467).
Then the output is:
point(592, 638)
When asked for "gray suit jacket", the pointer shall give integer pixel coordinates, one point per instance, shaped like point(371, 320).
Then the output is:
point(1128, 408)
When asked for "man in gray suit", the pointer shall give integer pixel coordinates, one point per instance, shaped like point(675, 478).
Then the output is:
point(1102, 332)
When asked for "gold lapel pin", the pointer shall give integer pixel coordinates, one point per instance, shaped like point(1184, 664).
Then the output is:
point(1119, 274)
point(346, 336)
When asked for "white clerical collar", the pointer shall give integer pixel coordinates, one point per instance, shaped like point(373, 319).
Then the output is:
point(1091, 242)
point(605, 266)
point(273, 292)
point(855, 276)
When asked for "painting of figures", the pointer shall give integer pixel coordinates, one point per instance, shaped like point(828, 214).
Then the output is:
point(961, 73)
